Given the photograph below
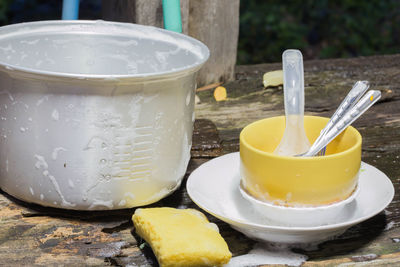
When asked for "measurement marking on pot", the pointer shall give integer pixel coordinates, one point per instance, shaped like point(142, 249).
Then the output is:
point(139, 174)
point(140, 160)
point(140, 167)
point(143, 153)
point(133, 176)
point(143, 146)
point(144, 127)
point(94, 142)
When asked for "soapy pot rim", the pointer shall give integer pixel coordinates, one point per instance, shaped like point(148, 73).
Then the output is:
point(116, 28)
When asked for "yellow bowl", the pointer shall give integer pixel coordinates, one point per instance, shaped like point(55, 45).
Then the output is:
point(291, 181)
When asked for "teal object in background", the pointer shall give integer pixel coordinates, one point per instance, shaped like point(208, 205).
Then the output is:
point(172, 15)
point(70, 9)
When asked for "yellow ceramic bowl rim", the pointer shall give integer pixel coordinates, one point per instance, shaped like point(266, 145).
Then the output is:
point(332, 156)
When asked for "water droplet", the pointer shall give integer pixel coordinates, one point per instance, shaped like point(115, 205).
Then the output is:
point(41, 197)
point(188, 98)
point(22, 129)
point(171, 187)
point(103, 161)
point(104, 145)
point(55, 115)
point(31, 190)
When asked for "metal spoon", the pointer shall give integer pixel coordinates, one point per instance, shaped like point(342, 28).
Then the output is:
point(343, 122)
point(358, 90)
point(294, 139)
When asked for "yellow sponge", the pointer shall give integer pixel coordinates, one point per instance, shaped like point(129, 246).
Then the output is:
point(181, 237)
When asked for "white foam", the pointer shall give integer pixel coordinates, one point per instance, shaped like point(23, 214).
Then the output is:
point(55, 115)
point(263, 254)
point(55, 152)
point(129, 195)
point(389, 226)
point(41, 163)
point(122, 203)
point(98, 202)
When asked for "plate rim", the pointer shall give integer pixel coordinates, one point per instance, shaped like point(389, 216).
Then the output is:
point(276, 228)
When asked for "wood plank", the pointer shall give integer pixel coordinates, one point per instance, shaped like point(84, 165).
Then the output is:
point(216, 23)
point(145, 12)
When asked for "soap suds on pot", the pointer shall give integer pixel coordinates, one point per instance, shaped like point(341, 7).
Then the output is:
point(41, 163)
point(56, 150)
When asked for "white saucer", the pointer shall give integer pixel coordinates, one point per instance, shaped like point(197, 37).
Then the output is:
point(214, 187)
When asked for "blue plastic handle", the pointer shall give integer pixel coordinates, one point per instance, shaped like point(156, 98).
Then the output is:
point(172, 15)
point(70, 9)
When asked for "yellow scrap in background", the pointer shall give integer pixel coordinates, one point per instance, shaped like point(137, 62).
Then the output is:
point(273, 78)
point(220, 93)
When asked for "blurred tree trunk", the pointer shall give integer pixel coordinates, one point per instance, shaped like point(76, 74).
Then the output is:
point(215, 23)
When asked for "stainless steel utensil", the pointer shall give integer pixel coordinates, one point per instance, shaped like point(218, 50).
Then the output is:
point(358, 90)
point(342, 122)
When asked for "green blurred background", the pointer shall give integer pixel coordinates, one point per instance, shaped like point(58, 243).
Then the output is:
point(319, 28)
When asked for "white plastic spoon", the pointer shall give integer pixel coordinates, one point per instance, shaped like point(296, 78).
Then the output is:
point(294, 139)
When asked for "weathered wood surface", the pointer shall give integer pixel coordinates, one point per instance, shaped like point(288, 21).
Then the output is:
point(215, 23)
point(35, 235)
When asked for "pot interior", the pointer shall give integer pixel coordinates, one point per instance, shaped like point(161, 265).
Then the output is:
point(97, 48)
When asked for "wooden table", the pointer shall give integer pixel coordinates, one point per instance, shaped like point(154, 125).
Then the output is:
point(35, 235)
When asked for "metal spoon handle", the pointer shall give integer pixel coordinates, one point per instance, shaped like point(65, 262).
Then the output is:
point(358, 90)
point(348, 118)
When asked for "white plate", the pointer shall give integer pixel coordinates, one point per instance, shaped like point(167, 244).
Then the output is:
point(214, 187)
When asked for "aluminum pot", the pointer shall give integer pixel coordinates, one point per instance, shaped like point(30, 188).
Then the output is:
point(95, 115)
